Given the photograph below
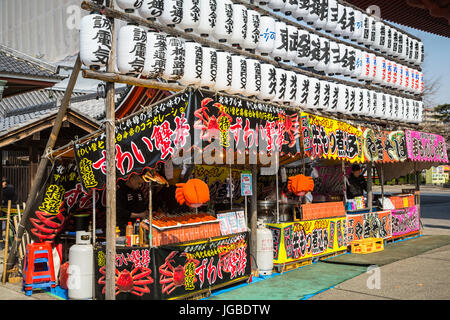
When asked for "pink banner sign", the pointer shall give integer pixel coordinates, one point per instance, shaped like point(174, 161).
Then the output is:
point(405, 221)
point(426, 147)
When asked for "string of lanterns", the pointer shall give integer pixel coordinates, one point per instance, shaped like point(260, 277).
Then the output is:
point(147, 52)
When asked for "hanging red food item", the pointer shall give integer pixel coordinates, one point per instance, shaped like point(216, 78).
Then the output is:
point(194, 193)
point(300, 184)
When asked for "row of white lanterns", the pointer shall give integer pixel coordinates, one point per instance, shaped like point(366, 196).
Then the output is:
point(225, 21)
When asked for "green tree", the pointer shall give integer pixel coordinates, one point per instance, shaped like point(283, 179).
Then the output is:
point(443, 111)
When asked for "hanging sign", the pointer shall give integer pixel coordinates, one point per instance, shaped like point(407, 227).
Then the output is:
point(426, 147)
point(156, 135)
point(331, 139)
point(246, 184)
point(405, 221)
point(384, 146)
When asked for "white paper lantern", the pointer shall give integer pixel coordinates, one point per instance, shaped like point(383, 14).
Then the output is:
point(358, 65)
point(268, 82)
point(351, 100)
point(95, 40)
point(351, 61)
point(374, 57)
point(410, 58)
point(416, 82)
point(129, 5)
point(266, 41)
point(367, 68)
point(289, 7)
point(381, 105)
point(209, 69)
point(401, 108)
point(421, 53)
point(314, 50)
point(172, 13)
point(302, 10)
point(358, 29)
point(334, 67)
point(400, 76)
point(396, 107)
point(302, 91)
point(389, 40)
point(280, 95)
point(224, 71)
point(303, 47)
point(407, 116)
point(276, 5)
point(155, 55)
point(292, 43)
point(253, 84)
point(350, 20)
point(236, 61)
point(380, 36)
point(291, 88)
point(325, 95)
point(342, 20)
point(414, 51)
point(174, 67)
point(421, 83)
point(380, 76)
point(400, 46)
point(191, 15)
point(359, 101)
point(313, 94)
point(279, 51)
point(151, 9)
point(333, 16)
point(367, 102)
point(334, 97)
point(373, 104)
point(192, 73)
point(253, 30)
point(406, 79)
point(224, 21)
point(324, 55)
point(131, 49)
point(313, 14)
point(343, 99)
point(395, 43)
point(420, 109)
point(240, 20)
point(369, 31)
point(322, 10)
point(208, 17)
point(405, 56)
point(388, 79)
point(345, 62)
point(394, 81)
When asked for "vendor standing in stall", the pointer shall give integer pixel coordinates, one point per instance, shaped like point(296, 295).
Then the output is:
point(356, 184)
point(131, 203)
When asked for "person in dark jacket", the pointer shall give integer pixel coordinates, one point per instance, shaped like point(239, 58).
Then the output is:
point(8, 192)
point(356, 184)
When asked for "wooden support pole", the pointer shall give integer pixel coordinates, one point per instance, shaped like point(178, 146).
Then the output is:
point(41, 171)
point(254, 213)
point(381, 173)
point(111, 176)
point(8, 215)
point(369, 187)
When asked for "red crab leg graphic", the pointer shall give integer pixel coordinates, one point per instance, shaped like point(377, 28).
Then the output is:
point(166, 289)
point(37, 224)
point(49, 221)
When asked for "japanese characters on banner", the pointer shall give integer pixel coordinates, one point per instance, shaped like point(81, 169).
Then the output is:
point(307, 239)
point(368, 225)
point(405, 221)
point(426, 147)
point(189, 268)
point(328, 138)
point(384, 146)
point(157, 135)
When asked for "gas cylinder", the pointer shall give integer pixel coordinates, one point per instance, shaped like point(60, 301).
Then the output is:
point(81, 267)
point(264, 250)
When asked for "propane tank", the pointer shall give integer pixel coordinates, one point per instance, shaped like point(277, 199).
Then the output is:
point(264, 250)
point(81, 267)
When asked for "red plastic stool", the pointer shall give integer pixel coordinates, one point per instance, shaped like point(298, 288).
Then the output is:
point(38, 269)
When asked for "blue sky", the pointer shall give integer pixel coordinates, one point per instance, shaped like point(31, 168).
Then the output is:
point(437, 62)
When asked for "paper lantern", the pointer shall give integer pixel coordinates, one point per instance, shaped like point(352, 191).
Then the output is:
point(389, 41)
point(407, 116)
point(313, 14)
point(208, 17)
point(400, 77)
point(303, 47)
point(334, 67)
point(373, 104)
point(302, 10)
point(95, 40)
point(416, 82)
point(322, 10)
point(209, 69)
point(350, 21)
point(342, 20)
point(155, 55)
point(325, 95)
point(314, 50)
point(358, 64)
point(375, 68)
point(292, 43)
point(129, 5)
point(350, 63)
point(151, 9)
point(266, 40)
point(333, 16)
point(240, 20)
point(406, 79)
point(416, 52)
point(380, 36)
point(174, 67)
point(192, 73)
point(291, 88)
point(253, 78)
point(411, 50)
point(324, 55)
point(394, 100)
point(380, 76)
point(358, 27)
point(191, 15)
point(172, 13)
point(400, 46)
point(239, 75)
point(334, 97)
point(343, 99)
point(224, 21)
point(420, 111)
point(388, 79)
point(405, 56)
point(381, 105)
point(367, 102)
point(344, 52)
point(281, 86)
point(279, 51)
point(268, 82)
point(366, 66)
point(276, 5)
point(131, 48)
point(422, 53)
point(420, 90)
point(369, 33)
point(302, 91)
point(313, 94)
point(394, 75)
point(359, 101)
point(352, 100)
point(289, 7)
point(253, 30)
point(395, 43)
point(224, 71)
point(401, 110)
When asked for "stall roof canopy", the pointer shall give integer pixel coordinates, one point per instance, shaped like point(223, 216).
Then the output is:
point(431, 16)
